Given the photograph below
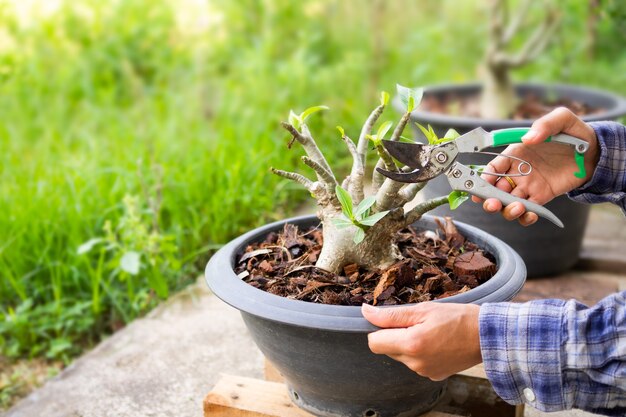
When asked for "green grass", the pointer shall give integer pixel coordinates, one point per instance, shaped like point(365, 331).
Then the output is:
point(162, 121)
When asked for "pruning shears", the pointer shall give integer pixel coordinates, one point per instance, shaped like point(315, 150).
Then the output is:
point(429, 161)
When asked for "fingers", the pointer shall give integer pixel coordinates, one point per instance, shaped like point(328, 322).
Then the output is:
point(513, 211)
point(557, 121)
point(497, 165)
point(395, 317)
point(528, 218)
point(390, 342)
point(492, 205)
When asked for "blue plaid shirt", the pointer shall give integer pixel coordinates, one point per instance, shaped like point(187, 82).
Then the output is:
point(555, 354)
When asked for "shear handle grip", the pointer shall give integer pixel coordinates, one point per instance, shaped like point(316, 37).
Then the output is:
point(504, 137)
point(469, 181)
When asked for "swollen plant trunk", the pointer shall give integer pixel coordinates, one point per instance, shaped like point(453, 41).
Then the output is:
point(376, 251)
point(498, 98)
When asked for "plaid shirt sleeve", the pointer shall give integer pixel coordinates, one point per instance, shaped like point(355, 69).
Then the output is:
point(556, 355)
point(608, 183)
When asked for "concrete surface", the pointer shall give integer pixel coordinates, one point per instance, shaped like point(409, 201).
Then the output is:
point(159, 366)
point(165, 363)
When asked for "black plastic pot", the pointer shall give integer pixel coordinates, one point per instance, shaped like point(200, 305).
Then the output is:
point(322, 349)
point(545, 248)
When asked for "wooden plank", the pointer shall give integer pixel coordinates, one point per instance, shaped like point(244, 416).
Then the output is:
point(235, 396)
point(271, 373)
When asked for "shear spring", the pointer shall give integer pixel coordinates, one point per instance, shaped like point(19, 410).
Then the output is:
point(522, 163)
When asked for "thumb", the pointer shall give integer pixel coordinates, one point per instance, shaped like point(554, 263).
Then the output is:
point(405, 316)
point(557, 121)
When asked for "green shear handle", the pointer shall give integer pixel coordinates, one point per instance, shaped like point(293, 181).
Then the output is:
point(510, 136)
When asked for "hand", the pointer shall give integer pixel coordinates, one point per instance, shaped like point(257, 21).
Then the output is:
point(435, 340)
point(553, 165)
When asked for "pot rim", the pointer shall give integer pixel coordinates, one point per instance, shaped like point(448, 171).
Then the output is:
point(225, 284)
point(617, 110)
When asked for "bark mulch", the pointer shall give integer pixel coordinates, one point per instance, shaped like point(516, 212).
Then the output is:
point(436, 264)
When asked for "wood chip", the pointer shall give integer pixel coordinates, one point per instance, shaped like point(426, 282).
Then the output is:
point(474, 263)
point(254, 253)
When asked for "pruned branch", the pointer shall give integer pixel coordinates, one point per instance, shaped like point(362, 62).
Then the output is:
point(497, 19)
point(356, 181)
point(387, 195)
point(416, 213)
point(387, 159)
point(535, 44)
point(308, 143)
point(377, 177)
point(304, 181)
point(366, 130)
point(384, 161)
point(325, 176)
point(516, 23)
point(408, 192)
point(500, 38)
point(356, 174)
point(397, 132)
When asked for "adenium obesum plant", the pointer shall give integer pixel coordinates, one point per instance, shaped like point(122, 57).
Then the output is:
point(359, 228)
point(498, 98)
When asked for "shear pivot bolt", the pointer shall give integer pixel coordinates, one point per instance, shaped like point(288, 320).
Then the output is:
point(456, 173)
point(469, 184)
point(441, 157)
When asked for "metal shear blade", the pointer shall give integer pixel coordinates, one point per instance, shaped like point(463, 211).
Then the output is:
point(411, 176)
point(420, 158)
point(410, 154)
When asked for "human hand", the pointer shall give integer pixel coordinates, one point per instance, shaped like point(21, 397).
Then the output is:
point(553, 165)
point(435, 340)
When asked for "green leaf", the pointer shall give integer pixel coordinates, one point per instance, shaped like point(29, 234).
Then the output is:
point(456, 198)
point(88, 245)
point(430, 136)
point(341, 223)
point(359, 235)
point(451, 134)
point(384, 98)
point(374, 139)
point(310, 111)
point(410, 97)
point(383, 129)
point(340, 129)
point(478, 168)
point(58, 347)
point(373, 219)
point(345, 200)
point(131, 262)
point(364, 205)
point(294, 120)
point(406, 140)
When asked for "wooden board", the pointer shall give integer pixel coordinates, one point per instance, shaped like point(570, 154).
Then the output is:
point(235, 396)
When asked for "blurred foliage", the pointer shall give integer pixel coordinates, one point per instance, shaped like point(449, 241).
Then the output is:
point(180, 102)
